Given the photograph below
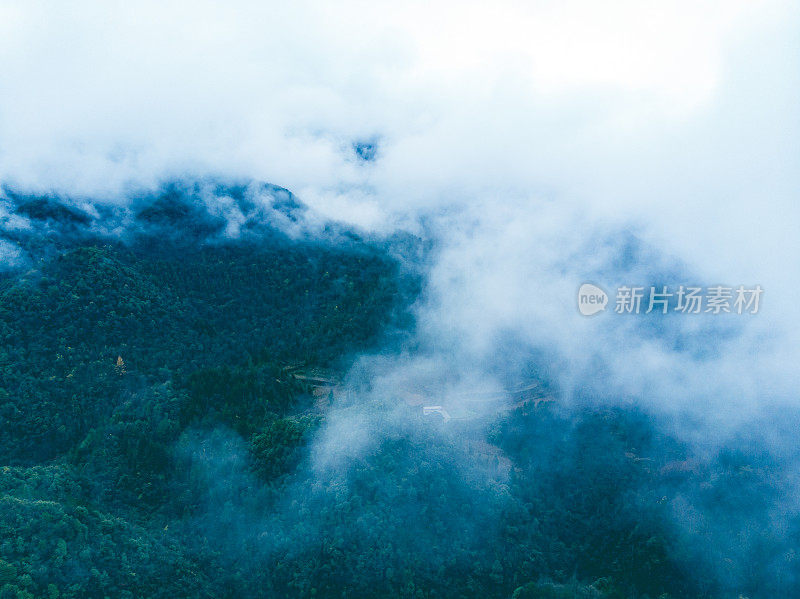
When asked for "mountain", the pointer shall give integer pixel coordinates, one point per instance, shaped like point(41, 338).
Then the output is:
point(175, 369)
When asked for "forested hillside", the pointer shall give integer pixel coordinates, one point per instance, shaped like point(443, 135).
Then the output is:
point(158, 423)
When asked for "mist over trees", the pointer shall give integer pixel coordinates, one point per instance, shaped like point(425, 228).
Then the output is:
point(177, 421)
point(288, 299)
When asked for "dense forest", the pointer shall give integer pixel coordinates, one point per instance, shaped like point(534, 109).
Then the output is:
point(166, 385)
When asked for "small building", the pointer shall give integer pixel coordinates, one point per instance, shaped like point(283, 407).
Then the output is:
point(430, 410)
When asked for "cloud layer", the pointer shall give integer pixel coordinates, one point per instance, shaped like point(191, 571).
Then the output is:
point(540, 144)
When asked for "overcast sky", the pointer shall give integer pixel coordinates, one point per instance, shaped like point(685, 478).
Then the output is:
point(535, 132)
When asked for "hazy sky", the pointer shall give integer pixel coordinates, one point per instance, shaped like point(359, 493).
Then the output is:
point(536, 134)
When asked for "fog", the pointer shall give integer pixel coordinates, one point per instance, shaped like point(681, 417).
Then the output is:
point(532, 135)
point(536, 146)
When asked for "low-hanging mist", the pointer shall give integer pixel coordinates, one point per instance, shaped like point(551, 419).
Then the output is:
point(429, 186)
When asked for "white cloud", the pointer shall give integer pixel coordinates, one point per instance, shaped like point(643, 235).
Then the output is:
point(538, 124)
